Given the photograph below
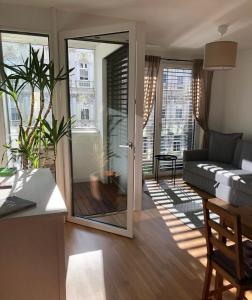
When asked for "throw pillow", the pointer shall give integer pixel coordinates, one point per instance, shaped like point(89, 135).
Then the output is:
point(222, 146)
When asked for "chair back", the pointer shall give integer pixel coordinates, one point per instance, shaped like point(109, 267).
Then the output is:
point(218, 234)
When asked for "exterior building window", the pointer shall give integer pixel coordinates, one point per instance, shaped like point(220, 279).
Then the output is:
point(83, 74)
point(85, 114)
point(179, 113)
point(176, 146)
point(82, 66)
point(83, 71)
point(163, 113)
point(14, 114)
point(180, 80)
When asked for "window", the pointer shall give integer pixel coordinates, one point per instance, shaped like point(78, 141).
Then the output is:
point(83, 71)
point(14, 115)
point(82, 65)
point(82, 87)
point(15, 48)
point(175, 131)
point(179, 113)
point(176, 143)
point(83, 74)
point(176, 146)
point(85, 114)
point(163, 113)
point(180, 82)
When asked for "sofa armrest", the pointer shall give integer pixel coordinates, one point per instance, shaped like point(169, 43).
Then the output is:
point(195, 155)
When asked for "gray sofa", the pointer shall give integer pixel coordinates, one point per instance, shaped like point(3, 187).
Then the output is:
point(224, 170)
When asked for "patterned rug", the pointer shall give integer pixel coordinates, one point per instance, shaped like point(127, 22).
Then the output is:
point(181, 200)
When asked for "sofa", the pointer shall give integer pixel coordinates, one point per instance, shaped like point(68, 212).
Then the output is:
point(223, 170)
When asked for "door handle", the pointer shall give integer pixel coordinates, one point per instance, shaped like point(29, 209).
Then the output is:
point(129, 145)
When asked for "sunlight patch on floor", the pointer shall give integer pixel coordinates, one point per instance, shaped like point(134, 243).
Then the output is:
point(190, 240)
point(85, 276)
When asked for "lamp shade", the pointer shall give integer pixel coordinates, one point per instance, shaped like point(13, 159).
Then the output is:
point(220, 55)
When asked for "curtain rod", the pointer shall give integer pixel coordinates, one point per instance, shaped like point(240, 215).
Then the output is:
point(177, 59)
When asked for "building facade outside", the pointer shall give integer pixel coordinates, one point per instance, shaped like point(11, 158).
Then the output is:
point(81, 84)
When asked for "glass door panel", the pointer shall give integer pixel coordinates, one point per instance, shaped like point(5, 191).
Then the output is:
point(170, 128)
point(177, 120)
point(100, 146)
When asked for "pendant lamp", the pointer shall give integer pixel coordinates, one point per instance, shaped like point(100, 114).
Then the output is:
point(220, 55)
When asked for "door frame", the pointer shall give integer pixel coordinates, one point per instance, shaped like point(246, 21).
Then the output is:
point(131, 28)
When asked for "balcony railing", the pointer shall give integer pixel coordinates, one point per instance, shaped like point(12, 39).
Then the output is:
point(82, 84)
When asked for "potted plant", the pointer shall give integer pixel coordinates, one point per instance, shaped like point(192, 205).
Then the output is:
point(38, 136)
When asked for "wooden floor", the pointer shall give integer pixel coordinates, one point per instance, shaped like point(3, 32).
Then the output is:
point(94, 198)
point(165, 260)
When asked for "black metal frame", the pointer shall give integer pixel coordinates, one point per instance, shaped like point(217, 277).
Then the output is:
point(168, 157)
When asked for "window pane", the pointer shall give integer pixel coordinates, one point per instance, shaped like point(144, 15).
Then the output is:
point(82, 85)
point(15, 49)
point(177, 121)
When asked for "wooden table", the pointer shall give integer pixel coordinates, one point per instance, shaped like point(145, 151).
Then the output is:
point(32, 257)
point(245, 213)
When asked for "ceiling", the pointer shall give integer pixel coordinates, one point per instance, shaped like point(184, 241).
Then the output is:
point(171, 25)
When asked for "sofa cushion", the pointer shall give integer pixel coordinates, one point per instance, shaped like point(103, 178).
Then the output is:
point(244, 184)
point(237, 154)
point(216, 171)
point(245, 161)
point(222, 146)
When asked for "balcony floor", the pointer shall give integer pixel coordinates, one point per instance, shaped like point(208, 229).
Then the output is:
point(95, 198)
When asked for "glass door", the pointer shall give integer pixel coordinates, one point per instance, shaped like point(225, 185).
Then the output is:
point(171, 126)
point(101, 147)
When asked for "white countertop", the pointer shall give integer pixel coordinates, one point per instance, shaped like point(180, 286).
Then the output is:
point(36, 185)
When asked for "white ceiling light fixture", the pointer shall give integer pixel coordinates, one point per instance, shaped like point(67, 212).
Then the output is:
point(220, 55)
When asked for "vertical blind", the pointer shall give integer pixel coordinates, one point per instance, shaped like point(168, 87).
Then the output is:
point(176, 130)
point(117, 113)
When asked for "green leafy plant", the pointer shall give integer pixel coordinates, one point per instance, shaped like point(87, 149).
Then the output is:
point(54, 132)
point(36, 135)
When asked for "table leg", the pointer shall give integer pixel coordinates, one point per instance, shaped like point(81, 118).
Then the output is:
point(175, 167)
point(155, 169)
point(158, 170)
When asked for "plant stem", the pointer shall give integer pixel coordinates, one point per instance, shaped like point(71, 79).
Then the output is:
point(49, 107)
point(32, 110)
point(19, 114)
point(42, 104)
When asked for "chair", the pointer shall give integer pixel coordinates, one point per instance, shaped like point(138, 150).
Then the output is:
point(226, 253)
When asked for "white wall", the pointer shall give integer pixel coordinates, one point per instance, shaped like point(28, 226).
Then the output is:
point(86, 151)
point(231, 105)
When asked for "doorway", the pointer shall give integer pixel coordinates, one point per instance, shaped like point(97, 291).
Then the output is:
point(102, 133)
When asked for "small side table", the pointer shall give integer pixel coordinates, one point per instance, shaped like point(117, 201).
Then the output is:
point(166, 157)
